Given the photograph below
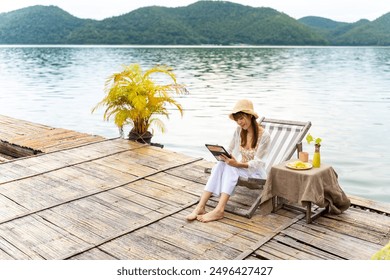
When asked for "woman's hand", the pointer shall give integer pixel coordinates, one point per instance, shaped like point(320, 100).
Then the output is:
point(230, 161)
point(233, 162)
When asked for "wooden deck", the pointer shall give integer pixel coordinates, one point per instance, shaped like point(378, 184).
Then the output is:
point(116, 199)
point(19, 138)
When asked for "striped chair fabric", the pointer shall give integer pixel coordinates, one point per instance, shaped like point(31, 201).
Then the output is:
point(284, 139)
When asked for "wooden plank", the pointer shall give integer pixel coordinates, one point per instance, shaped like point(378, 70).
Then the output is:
point(60, 190)
point(49, 198)
point(165, 194)
point(360, 224)
point(102, 176)
point(29, 194)
point(370, 204)
point(151, 207)
point(127, 231)
point(40, 137)
point(10, 252)
point(281, 251)
point(58, 139)
point(17, 150)
point(268, 237)
point(70, 218)
point(14, 125)
point(93, 226)
point(128, 166)
point(144, 245)
point(138, 206)
point(181, 240)
point(6, 174)
point(9, 208)
point(94, 254)
point(295, 247)
point(346, 247)
point(193, 173)
point(56, 187)
point(50, 135)
point(110, 146)
point(16, 170)
point(38, 239)
point(112, 213)
point(158, 241)
point(166, 179)
point(195, 233)
point(263, 255)
point(258, 225)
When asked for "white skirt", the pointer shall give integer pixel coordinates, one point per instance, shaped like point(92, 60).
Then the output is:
point(223, 178)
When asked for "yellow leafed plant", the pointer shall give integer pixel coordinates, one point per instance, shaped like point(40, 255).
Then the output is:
point(134, 98)
point(383, 254)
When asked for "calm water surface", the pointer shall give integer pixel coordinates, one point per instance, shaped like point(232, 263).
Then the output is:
point(344, 92)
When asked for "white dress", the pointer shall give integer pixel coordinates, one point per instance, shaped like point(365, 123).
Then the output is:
point(224, 177)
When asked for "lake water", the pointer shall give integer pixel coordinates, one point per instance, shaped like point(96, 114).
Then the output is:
point(343, 91)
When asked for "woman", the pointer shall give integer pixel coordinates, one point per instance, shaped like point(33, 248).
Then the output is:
point(248, 149)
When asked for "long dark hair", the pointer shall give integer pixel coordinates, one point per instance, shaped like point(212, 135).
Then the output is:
point(244, 133)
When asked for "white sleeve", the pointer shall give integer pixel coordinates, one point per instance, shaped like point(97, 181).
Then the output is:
point(235, 143)
point(261, 153)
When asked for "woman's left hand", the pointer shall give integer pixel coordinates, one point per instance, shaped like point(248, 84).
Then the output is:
point(230, 161)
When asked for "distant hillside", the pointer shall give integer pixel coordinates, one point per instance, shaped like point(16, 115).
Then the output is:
point(360, 33)
point(367, 33)
point(37, 25)
point(204, 22)
point(321, 23)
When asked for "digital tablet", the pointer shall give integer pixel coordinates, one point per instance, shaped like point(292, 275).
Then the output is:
point(217, 151)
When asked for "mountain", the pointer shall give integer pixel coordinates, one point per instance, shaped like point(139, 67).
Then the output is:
point(152, 25)
point(367, 33)
point(37, 25)
point(322, 24)
point(360, 33)
point(204, 22)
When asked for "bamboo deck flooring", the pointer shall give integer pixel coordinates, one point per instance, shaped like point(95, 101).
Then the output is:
point(22, 138)
point(116, 199)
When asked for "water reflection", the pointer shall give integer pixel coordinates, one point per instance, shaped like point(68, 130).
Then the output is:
point(345, 92)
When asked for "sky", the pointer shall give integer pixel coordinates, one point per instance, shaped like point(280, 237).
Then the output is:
point(338, 10)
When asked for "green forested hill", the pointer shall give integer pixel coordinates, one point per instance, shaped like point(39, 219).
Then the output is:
point(204, 22)
point(376, 32)
point(360, 33)
point(37, 25)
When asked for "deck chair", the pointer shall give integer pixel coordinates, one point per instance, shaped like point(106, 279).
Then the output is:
point(286, 138)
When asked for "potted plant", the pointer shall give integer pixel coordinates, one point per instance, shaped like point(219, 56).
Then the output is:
point(134, 98)
point(310, 138)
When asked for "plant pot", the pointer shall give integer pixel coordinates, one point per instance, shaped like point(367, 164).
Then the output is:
point(144, 138)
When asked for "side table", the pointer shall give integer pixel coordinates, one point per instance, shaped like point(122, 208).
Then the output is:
point(316, 185)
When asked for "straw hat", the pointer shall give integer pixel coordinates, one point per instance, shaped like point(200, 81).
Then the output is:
point(245, 106)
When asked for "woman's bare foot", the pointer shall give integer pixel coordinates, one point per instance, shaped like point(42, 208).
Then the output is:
point(211, 216)
point(197, 211)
